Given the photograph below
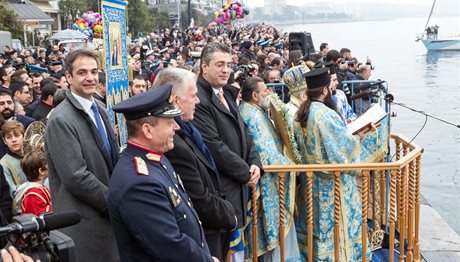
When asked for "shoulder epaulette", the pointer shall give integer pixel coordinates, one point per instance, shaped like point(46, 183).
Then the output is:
point(141, 166)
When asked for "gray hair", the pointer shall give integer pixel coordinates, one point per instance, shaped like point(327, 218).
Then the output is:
point(211, 48)
point(363, 68)
point(175, 76)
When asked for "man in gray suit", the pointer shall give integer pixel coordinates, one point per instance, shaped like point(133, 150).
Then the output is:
point(82, 151)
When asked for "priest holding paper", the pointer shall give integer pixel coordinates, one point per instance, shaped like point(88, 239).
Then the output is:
point(328, 141)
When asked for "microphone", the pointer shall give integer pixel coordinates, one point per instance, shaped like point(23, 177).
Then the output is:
point(30, 223)
point(368, 85)
point(389, 97)
point(364, 94)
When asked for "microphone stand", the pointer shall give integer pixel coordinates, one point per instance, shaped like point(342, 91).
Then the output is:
point(424, 113)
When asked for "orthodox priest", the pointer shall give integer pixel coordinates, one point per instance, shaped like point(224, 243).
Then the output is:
point(327, 141)
point(270, 147)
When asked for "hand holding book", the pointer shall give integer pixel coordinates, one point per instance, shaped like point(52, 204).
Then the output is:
point(367, 121)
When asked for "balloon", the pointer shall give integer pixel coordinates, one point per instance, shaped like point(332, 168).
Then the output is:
point(239, 11)
point(98, 28)
point(82, 26)
point(234, 6)
point(216, 15)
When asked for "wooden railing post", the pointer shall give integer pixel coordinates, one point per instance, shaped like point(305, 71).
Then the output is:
point(337, 213)
point(402, 209)
point(365, 206)
point(393, 177)
point(417, 210)
point(282, 215)
point(410, 223)
point(310, 215)
point(254, 222)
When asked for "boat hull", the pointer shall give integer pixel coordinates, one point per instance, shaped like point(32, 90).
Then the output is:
point(442, 44)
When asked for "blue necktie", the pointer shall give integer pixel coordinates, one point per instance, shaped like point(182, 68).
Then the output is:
point(100, 129)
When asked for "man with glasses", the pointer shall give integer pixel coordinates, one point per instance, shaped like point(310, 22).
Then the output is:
point(223, 130)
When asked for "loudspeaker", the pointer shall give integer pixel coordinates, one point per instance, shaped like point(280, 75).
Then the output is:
point(303, 40)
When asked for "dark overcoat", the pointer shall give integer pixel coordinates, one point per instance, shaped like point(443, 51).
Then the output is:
point(230, 143)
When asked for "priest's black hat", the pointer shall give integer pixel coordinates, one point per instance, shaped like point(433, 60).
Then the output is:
point(318, 78)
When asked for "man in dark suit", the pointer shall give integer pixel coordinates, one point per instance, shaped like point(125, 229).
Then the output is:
point(152, 216)
point(193, 161)
point(82, 150)
point(223, 130)
point(8, 113)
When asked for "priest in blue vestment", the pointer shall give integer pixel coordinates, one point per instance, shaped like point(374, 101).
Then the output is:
point(327, 141)
point(270, 147)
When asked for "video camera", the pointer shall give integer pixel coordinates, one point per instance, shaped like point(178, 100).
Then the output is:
point(30, 235)
point(246, 72)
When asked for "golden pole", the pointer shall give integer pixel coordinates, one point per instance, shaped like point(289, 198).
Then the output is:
point(254, 222)
point(336, 215)
point(365, 206)
point(310, 215)
point(282, 215)
point(392, 214)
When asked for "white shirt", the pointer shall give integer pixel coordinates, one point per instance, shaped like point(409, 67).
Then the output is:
point(86, 104)
point(217, 90)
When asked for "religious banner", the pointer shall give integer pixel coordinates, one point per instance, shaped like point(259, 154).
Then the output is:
point(115, 61)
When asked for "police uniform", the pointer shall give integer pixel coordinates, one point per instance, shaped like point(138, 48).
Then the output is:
point(152, 217)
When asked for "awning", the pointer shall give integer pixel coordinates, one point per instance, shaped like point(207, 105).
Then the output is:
point(30, 13)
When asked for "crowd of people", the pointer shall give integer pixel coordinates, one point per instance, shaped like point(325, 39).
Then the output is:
point(199, 135)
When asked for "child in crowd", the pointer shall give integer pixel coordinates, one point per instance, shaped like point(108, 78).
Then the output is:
point(33, 197)
point(13, 137)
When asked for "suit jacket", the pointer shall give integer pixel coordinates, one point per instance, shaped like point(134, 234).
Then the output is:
point(152, 216)
point(201, 183)
point(230, 143)
point(79, 172)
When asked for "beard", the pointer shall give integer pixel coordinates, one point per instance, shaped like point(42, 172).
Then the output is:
point(7, 114)
point(265, 103)
point(329, 102)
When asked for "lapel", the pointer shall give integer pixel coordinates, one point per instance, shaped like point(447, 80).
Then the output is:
point(93, 128)
point(217, 103)
point(197, 151)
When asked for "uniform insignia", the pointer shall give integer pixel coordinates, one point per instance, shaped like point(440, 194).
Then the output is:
point(175, 198)
point(141, 166)
point(180, 182)
point(153, 157)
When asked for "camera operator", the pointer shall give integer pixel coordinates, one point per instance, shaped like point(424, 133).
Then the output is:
point(13, 255)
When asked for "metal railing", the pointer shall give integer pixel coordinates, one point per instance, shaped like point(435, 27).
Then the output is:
point(393, 185)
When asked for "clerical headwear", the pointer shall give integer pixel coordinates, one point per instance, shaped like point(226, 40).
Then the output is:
point(294, 78)
point(318, 78)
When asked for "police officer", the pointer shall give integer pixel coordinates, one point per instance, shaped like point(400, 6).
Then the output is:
point(152, 216)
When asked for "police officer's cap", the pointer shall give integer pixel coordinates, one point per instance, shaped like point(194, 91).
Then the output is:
point(55, 62)
point(151, 52)
point(157, 102)
point(164, 50)
point(34, 68)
